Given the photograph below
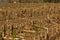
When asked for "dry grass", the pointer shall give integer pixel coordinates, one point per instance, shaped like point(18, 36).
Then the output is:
point(30, 19)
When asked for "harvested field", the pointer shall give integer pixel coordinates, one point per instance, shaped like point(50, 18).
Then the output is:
point(30, 21)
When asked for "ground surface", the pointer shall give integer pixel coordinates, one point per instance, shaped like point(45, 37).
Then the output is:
point(30, 21)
